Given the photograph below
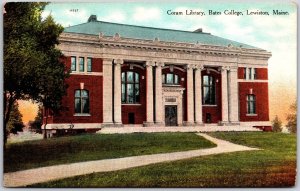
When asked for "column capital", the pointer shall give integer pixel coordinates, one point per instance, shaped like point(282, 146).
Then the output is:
point(159, 64)
point(149, 64)
point(107, 60)
point(233, 68)
point(199, 67)
point(189, 66)
point(118, 61)
point(224, 68)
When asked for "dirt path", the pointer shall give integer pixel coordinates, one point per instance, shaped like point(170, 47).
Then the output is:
point(45, 174)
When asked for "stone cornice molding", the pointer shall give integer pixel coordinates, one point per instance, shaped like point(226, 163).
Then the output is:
point(140, 44)
point(233, 68)
point(223, 68)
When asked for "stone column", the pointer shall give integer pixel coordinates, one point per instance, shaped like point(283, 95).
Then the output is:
point(198, 95)
point(117, 92)
point(158, 95)
point(190, 96)
point(224, 71)
point(107, 91)
point(233, 96)
point(149, 93)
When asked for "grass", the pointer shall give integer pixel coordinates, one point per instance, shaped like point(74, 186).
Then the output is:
point(39, 153)
point(274, 166)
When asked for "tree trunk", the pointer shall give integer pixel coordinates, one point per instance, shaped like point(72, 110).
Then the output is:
point(46, 121)
point(7, 110)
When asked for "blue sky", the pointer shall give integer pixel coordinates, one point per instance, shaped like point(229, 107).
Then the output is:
point(274, 33)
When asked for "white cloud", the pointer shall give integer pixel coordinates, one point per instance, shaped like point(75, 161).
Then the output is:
point(115, 16)
point(146, 14)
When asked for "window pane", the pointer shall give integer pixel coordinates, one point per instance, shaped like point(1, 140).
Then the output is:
point(245, 72)
point(84, 93)
point(123, 93)
point(250, 73)
point(85, 106)
point(176, 81)
point(73, 63)
point(205, 80)
point(206, 95)
point(130, 77)
point(81, 64)
point(123, 77)
point(137, 93)
point(254, 73)
point(77, 105)
point(130, 95)
point(77, 93)
point(89, 64)
point(170, 79)
point(136, 77)
point(211, 80)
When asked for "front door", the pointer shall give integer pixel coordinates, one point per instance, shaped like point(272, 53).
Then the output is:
point(170, 115)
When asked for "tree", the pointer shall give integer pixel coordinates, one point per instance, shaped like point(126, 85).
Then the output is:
point(38, 120)
point(15, 123)
point(32, 64)
point(277, 124)
point(292, 118)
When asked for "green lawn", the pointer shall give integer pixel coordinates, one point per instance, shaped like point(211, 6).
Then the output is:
point(274, 166)
point(32, 154)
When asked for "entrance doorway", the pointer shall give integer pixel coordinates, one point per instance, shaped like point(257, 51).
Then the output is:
point(171, 115)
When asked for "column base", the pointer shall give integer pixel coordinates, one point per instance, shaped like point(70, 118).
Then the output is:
point(234, 123)
point(111, 124)
point(223, 123)
point(199, 124)
point(148, 124)
point(159, 124)
point(188, 123)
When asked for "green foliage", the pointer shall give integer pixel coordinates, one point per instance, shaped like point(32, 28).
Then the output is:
point(32, 65)
point(292, 118)
point(38, 120)
point(15, 122)
point(277, 124)
point(273, 166)
point(63, 150)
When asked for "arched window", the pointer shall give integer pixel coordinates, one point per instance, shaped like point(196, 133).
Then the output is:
point(130, 87)
point(170, 79)
point(251, 102)
point(82, 104)
point(208, 90)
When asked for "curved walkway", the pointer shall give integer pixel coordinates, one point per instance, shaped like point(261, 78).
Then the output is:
point(45, 174)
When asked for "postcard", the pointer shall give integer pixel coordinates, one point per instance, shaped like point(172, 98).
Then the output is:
point(150, 94)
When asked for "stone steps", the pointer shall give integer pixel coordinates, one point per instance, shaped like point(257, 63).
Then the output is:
point(135, 129)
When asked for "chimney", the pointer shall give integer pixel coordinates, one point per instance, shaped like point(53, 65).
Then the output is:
point(199, 30)
point(92, 18)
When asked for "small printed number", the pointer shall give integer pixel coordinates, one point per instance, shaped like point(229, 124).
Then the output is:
point(74, 10)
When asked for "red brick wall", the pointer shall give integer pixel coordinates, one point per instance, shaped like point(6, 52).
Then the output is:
point(260, 90)
point(262, 73)
point(94, 85)
point(139, 110)
point(96, 64)
point(241, 73)
point(183, 84)
point(215, 111)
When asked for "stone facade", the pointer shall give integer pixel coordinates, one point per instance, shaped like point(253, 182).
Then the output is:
point(154, 61)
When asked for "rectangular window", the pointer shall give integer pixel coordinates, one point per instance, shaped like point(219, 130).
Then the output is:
point(89, 64)
point(250, 73)
point(73, 63)
point(254, 73)
point(245, 73)
point(81, 64)
point(251, 104)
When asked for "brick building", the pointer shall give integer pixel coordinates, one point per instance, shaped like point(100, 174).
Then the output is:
point(125, 74)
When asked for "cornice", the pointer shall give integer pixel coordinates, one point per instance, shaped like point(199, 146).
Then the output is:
point(162, 46)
